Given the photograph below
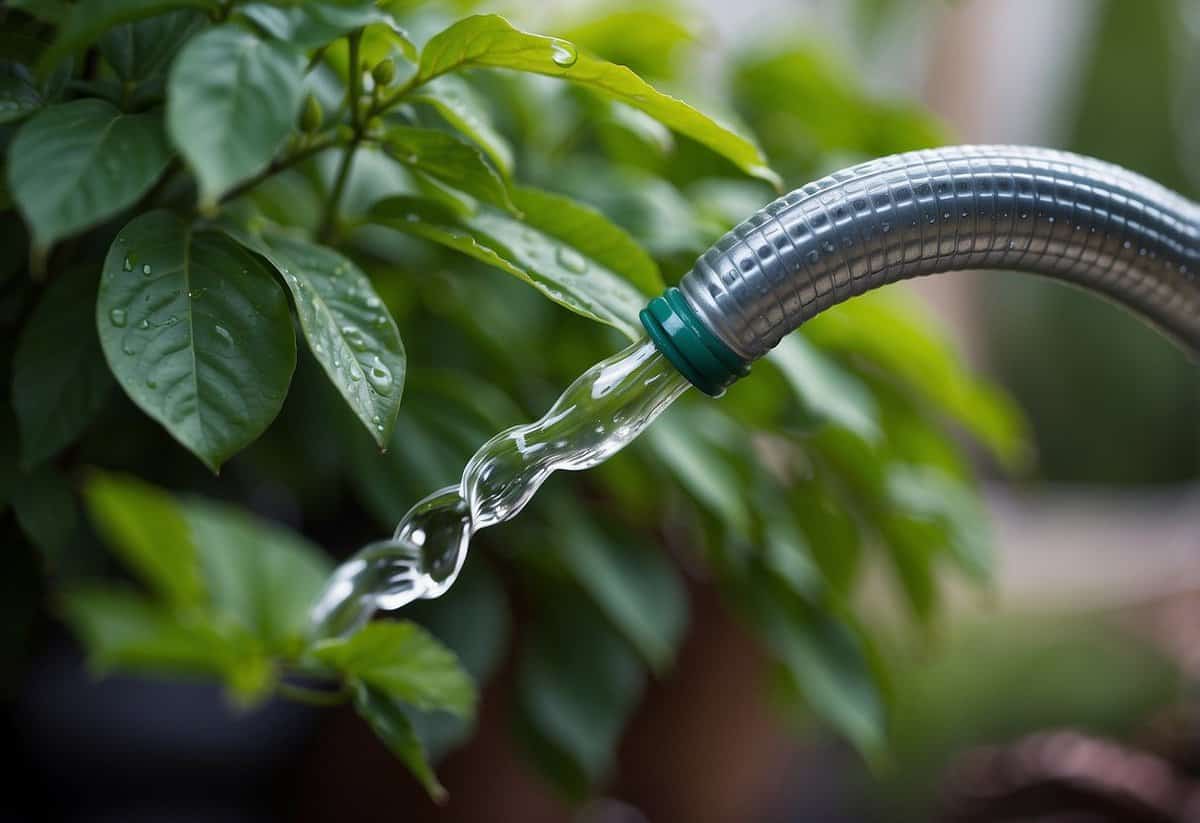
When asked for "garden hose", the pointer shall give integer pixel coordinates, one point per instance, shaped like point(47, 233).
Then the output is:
point(1072, 218)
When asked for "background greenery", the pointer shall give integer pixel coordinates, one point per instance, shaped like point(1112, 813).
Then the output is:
point(325, 248)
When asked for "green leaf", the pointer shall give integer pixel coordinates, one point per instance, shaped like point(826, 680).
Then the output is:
point(455, 101)
point(140, 49)
point(454, 162)
point(405, 662)
point(349, 330)
point(892, 333)
point(232, 98)
point(489, 40)
point(927, 492)
point(577, 683)
point(145, 527)
point(19, 94)
point(826, 389)
point(648, 40)
point(825, 660)
point(635, 587)
point(387, 719)
point(60, 379)
point(311, 24)
point(45, 510)
point(525, 251)
point(262, 576)
point(197, 332)
point(75, 164)
point(123, 630)
point(88, 20)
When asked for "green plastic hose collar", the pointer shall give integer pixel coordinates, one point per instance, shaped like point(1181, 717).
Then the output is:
point(696, 352)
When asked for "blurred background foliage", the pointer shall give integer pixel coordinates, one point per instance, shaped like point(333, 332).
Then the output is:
point(848, 458)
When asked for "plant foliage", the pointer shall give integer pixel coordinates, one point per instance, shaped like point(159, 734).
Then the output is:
point(282, 231)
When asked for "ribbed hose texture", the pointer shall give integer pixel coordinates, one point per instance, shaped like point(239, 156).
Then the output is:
point(1069, 217)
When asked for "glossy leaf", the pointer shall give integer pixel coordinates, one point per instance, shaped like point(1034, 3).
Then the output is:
point(406, 663)
point(387, 719)
point(232, 98)
point(197, 332)
point(455, 101)
point(577, 683)
point(489, 40)
point(60, 379)
point(87, 21)
point(311, 24)
point(75, 164)
point(449, 160)
point(635, 587)
point(145, 527)
point(140, 49)
point(348, 329)
point(260, 575)
point(524, 250)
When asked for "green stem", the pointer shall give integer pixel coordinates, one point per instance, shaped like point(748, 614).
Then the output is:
point(330, 215)
point(355, 90)
point(316, 147)
point(315, 697)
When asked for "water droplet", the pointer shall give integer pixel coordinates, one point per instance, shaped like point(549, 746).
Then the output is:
point(223, 333)
point(355, 375)
point(355, 338)
point(373, 302)
point(151, 383)
point(375, 419)
point(146, 269)
point(128, 265)
point(117, 316)
point(172, 320)
point(570, 259)
point(1127, 244)
point(127, 347)
point(563, 53)
point(380, 377)
point(145, 324)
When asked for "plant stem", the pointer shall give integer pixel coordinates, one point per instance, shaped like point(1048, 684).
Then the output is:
point(329, 218)
point(316, 147)
point(356, 73)
point(315, 697)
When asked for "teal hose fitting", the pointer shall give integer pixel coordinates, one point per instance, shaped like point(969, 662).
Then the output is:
point(696, 352)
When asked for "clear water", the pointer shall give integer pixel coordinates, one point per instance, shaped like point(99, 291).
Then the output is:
point(605, 408)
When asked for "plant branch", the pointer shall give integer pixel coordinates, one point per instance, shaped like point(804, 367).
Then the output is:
point(315, 697)
point(316, 147)
point(329, 217)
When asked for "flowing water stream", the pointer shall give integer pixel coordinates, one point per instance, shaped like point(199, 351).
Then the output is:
point(606, 407)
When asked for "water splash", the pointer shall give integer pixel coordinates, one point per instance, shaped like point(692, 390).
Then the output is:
point(604, 409)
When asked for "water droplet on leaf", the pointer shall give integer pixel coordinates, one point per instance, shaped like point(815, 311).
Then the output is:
point(571, 260)
point(117, 316)
point(563, 53)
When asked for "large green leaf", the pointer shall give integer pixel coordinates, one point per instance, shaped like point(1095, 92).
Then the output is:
point(454, 162)
point(577, 682)
point(635, 587)
point(405, 662)
point(232, 98)
point(87, 21)
point(526, 250)
point(122, 630)
point(927, 492)
point(145, 527)
point(197, 332)
point(262, 576)
point(457, 103)
point(489, 40)
point(142, 48)
point(387, 718)
point(825, 388)
point(75, 164)
point(350, 332)
point(60, 379)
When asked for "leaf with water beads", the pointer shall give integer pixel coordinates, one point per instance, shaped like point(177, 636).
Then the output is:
point(528, 251)
point(449, 160)
point(197, 332)
point(490, 40)
point(349, 330)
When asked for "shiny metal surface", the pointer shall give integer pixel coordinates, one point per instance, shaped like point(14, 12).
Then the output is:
point(1062, 215)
